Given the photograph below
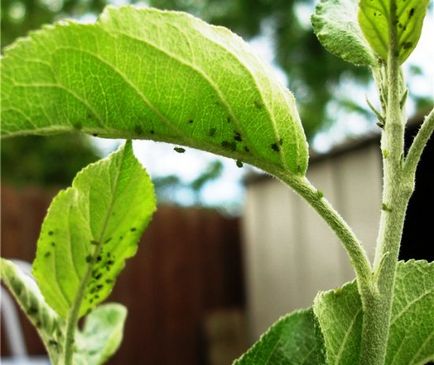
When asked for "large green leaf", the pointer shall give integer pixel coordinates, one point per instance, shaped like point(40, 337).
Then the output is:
point(101, 335)
point(411, 338)
point(145, 73)
point(377, 17)
point(293, 339)
point(337, 28)
point(91, 229)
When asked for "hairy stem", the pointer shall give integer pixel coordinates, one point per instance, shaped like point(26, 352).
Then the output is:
point(397, 189)
point(351, 244)
point(418, 145)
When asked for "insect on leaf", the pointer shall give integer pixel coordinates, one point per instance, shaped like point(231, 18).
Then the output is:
point(377, 17)
point(151, 74)
point(90, 230)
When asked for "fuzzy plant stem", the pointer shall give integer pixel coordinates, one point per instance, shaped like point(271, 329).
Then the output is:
point(351, 244)
point(398, 186)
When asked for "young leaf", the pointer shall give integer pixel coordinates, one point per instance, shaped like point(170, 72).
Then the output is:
point(336, 26)
point(411, 337)
point(102, 334)
point(90, 230)
point(145, 73)
point(48, 324)
point(293, 339)
point(377, 17)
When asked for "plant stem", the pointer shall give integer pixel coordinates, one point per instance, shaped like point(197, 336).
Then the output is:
point(71, 322)
point(354, 249)
point(397, 189)
point(418, 145)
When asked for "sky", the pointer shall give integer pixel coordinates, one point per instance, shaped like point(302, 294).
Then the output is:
point(160, 159)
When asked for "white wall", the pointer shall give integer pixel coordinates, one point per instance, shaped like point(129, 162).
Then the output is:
point(290, 253)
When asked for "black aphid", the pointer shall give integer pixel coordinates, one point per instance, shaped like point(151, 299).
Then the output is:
point(53, 244)
point(133, 229)
point(237, 136)
point(98, 258)
point(94, 242)
point(108, 240)
point(50, 233)
point(179, 149)
point(229, 145)
point(89, 259)
point(47, 254)
point(151, 131)
point(411, 12)
point(275, 147)
point(239, 163)
point(246, 149)
point(190, 121)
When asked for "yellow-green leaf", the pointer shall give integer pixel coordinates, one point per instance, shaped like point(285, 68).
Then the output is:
point(90, 230)
point(150, 74)
point(378, 18)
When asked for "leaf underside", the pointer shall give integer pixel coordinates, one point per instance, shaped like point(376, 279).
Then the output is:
point(375, 17)
point(151, 74)
point(411, 339)
point(91, 229)
point(293, 339)
point(101, 335)
point(336, 26)
point(48, 324)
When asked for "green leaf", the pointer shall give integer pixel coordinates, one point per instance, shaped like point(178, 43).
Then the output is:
point(336, 26)
point(377, 17)
point(102, 334)
point(340, 315)
point(293, 339)
point(49, 325)
point(411, 339)
point(90, 230)
point(151, 74)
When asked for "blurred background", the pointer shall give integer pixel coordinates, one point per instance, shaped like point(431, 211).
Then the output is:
point(230, 250)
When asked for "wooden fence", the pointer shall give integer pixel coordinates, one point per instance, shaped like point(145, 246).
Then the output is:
point(188, 265)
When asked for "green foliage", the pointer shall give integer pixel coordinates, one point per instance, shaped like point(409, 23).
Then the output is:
point(167, 76)
point(90, 230)
point(102, 334)
point(337, 318)
point(336, 26)
point(293, 339)
point(297, 51)
point(411, 340)
point(378, 17)
point(52, 68)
